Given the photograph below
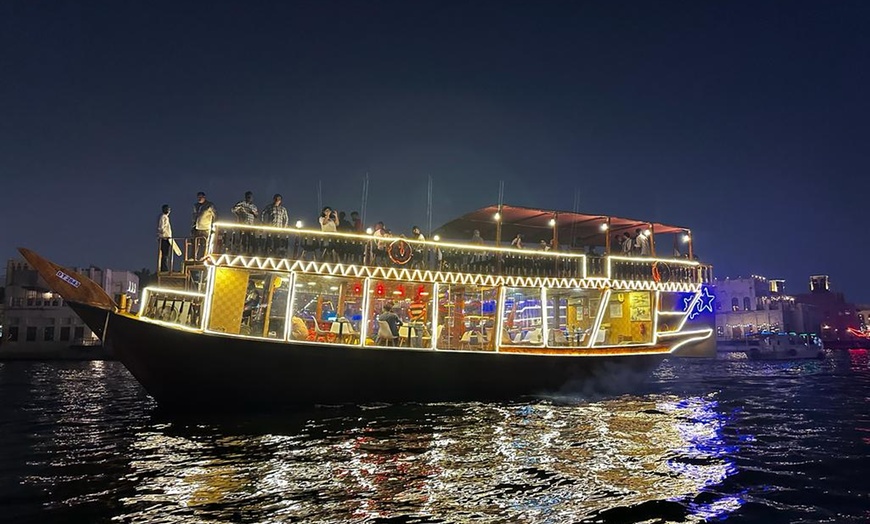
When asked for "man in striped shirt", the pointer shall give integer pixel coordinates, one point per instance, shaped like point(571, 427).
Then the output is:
point(245, 210)
point(275, 214)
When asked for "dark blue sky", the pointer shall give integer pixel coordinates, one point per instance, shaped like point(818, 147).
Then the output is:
point(746, 121)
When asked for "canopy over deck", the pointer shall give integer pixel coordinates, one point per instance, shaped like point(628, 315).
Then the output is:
point(576, 229)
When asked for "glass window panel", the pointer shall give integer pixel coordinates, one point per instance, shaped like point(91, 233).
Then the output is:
point(571, 315)
point(327, 309)
point(411, 302)
point(249, 303)
point(627, 319)
point(522, 322)
point(467, 316)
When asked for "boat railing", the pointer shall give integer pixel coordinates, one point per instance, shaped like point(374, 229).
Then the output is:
point(241, 240)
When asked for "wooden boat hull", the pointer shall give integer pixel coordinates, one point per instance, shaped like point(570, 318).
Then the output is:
point(194, 371)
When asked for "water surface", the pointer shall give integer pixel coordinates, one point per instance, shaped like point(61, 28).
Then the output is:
point(702, 440)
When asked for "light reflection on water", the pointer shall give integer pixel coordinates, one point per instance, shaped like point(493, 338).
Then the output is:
point(706, 440)
point(533, 462)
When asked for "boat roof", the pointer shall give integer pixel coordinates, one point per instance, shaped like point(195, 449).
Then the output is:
point(534, 224)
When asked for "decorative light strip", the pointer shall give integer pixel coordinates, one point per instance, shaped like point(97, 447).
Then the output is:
point(655, 328)
point(392, 273)
point(288, 312)
point(654, 259)
point(371, 238)
point(209, 296)
point(683, 333)
point(605, 300)
point(364, 325)
point(707, 333)
point(545, 331)
point(172, 291)
point(499, 326)
point(171, 325)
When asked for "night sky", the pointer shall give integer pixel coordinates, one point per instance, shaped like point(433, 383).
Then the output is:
point(746, 121)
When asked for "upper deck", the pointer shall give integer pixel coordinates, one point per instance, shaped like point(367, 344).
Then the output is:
point(364, 255)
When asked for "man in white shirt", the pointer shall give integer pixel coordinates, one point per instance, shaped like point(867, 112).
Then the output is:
point(642, 243)
point(627, 244)
point(164, 233)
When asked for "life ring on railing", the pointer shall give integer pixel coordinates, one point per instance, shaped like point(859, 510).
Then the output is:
point(400, 252)
point(661, 272)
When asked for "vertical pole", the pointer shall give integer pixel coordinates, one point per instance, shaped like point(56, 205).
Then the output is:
point(607, 243)
point(429, 210)
point(652, 240)
point(319, 198)
point(555, 231)
point(691, 242)
point(365, 197)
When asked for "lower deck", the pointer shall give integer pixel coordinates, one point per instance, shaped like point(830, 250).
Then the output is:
point(328, 309)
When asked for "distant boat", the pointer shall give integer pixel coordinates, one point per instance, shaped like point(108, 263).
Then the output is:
point(780, 346)
point(276, 316)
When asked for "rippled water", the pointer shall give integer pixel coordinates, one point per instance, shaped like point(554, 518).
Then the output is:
point(702, 441)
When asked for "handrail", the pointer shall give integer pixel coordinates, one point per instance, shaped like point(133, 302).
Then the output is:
point(364, 249)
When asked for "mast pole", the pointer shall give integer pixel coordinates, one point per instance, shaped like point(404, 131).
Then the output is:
point(429, 210)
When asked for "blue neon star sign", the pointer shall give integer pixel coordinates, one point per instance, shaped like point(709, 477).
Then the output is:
point(703, 303)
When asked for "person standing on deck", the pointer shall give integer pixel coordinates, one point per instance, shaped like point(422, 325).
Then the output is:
point(357, 223)
point(204, 215)
point(245, 210)
point(627, 244)
point(641, 242)
point(476, 238)
point(517, 242)
point(328, 220)
point(275, 214)
point(344, 225)
point(164, 233)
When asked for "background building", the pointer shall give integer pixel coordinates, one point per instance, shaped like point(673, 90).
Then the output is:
point(836, 315)
point(749, 306)
point(36, 322)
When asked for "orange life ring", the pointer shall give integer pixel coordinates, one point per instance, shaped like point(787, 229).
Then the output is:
point(400, 252)
point(657, 276)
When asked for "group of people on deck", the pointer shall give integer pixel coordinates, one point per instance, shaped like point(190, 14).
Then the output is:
point(274, 215)
point(633, 245)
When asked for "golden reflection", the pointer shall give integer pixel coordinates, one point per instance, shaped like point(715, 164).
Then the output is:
point(535, 462)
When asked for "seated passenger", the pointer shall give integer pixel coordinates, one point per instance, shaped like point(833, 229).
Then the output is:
point(298, 329)
point(391, 318)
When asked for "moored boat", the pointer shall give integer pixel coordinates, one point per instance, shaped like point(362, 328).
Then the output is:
point(775, 346)
point(273, 317)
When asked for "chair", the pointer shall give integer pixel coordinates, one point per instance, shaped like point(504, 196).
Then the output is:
point(427, 337)
point(406, 333)
point(321, 334)
point(343, 331)
point(533, 336)
point(385, 334)
point(557, 337)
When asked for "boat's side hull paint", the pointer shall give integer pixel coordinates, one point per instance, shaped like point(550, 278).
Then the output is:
point(191, 370)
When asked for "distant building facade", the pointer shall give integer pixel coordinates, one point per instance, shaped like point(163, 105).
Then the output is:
point(36, 320)
point(837, 317)
point(755, 305)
